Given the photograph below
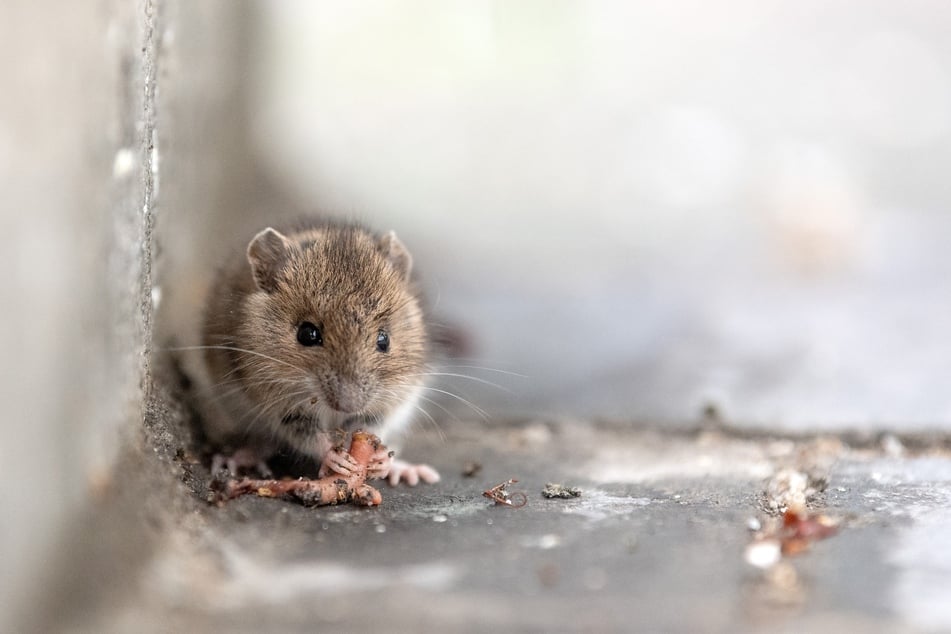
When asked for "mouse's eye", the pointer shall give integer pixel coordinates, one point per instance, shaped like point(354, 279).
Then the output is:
point(383, 342)
point(309, 335)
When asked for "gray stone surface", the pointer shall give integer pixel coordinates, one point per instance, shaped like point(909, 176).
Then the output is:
point(656, 542)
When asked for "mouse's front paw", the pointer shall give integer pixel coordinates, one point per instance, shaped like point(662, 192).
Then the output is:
point(337, 460)
point(411, 474)
point(381, 462)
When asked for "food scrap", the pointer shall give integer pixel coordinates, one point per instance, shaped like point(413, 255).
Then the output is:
point(791, 536)
point(553, 490)
point(500, 495)
point(801, 529)
point(332, 489)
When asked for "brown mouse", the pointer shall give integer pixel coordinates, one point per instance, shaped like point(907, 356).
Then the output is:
point(310, 334)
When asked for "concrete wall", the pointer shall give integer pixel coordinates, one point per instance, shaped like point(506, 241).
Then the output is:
point(95, 113)
point(76, 208)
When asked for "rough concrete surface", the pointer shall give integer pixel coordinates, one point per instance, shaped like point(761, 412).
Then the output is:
point(77, 161)
point(656, 542)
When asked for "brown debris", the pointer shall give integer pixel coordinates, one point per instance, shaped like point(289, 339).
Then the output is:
point(333, 489)
point(801, 529)
point(500, 495)
point(790, 536)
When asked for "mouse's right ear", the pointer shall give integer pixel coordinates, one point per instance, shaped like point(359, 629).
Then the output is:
point(267, 253)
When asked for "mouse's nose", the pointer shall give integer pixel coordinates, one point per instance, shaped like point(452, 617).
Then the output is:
point(346, 396)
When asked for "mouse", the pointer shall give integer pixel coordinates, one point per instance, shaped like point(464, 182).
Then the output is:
point(309, 333)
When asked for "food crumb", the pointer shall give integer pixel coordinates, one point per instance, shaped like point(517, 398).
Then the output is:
point(788, 536)
point(553, 490)
point(500, 495)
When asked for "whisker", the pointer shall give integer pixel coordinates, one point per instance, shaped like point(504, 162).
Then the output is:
point(272, 409)
point(481, 412)
point(236, 349)
point(485, 369)
point(439, 430)
point(464, 376)
point(397, 400)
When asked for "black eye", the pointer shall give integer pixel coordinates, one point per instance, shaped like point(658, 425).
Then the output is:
point(383, 342)
point(309, 335)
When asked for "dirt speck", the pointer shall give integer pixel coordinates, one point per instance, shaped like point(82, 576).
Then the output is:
point(553, 490)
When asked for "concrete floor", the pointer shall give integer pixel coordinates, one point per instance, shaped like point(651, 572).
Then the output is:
point(656, 542)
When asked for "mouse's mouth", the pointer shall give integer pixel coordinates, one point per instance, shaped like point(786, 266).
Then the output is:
point(347, 408)
point(361, 421)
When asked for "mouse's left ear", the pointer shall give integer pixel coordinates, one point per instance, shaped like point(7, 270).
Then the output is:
point(396, 254)
point(268, 253)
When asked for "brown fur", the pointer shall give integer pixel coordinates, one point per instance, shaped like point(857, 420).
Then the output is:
point(350, 283)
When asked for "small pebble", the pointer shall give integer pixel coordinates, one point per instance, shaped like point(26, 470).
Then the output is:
point(763, 553)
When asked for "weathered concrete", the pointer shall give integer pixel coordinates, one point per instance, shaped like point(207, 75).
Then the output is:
point(656, 542)
point(77, 156)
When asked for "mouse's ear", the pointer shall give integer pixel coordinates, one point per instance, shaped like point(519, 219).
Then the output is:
point(396, 254)
point(267, 253)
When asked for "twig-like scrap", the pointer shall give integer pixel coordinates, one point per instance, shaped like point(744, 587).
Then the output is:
point(332, 489)
point(500, 495)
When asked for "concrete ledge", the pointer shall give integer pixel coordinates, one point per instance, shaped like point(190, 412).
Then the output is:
point(655, 542)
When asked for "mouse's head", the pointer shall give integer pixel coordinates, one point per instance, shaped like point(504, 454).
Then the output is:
point(337, 314)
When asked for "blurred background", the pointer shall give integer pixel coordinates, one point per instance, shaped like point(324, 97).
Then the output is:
point(646, 209)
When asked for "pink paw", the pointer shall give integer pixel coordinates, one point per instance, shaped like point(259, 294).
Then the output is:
point(241, 459)
point(411, 473)
point(380, 464)
point(337, 460)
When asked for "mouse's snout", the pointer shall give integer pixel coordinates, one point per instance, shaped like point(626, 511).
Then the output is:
point(347, 396)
